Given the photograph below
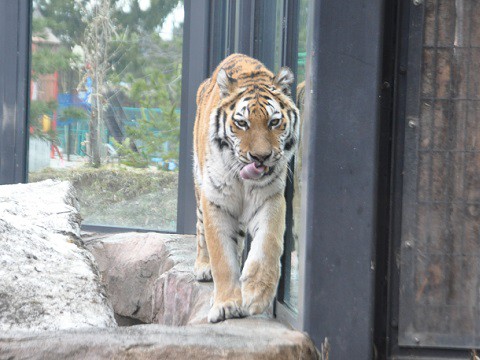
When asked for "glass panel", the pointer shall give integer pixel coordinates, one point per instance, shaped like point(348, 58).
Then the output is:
point(440, 271)
point(279, 25)
point(269, 33)
point(105, 106)
point(236, 35)
point(291, 283)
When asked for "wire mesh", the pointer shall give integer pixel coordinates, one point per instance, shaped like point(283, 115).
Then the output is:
point(439, 297)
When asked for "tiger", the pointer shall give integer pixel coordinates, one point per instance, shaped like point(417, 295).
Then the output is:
point(245, 134)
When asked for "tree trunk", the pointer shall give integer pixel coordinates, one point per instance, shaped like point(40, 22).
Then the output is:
point(98, 36)
point(94, 138)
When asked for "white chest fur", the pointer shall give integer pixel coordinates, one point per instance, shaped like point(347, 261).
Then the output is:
point(222, 185)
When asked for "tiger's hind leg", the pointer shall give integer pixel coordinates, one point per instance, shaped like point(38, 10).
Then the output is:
point(202, 270)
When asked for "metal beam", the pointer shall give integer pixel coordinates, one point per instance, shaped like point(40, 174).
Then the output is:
point(14, 89)
point(340, 175)
point(194, 71)
point(246, 27)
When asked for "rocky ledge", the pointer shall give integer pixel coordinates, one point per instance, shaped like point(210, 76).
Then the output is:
point(149, 277)
point(233, 339)
point(48, 281)
point(56, 299)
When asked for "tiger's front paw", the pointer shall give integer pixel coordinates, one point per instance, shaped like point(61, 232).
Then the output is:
point(203, 271)
point(259, 285)
point(225, 310)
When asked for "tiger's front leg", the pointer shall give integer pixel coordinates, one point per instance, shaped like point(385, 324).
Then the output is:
point(202, 268)
point(221, 229)
point(261, 271)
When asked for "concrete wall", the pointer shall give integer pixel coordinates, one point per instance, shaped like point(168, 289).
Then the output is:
point(38, 154)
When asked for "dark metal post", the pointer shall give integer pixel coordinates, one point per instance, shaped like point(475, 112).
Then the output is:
point(246, 27)
point(194, 71)
point(217, 33)
point(340, 175)
point(264, 41)
point(14, 89)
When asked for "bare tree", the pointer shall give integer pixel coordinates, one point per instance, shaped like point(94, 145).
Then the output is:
point(98, 54)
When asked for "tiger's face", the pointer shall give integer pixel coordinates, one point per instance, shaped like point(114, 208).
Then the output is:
point(258, 122)
point(257, 129)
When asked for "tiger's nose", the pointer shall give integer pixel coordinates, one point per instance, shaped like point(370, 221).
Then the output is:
point(260, 157)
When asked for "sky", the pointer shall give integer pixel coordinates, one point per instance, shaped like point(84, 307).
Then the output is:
point(172, 20)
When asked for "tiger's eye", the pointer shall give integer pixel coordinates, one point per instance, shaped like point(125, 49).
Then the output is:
point(274, 122)
point(241, 123)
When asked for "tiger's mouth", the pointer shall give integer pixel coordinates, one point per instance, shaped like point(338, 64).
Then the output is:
point(254, 171)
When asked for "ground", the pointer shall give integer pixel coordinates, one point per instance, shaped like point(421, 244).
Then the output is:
point(120, 196)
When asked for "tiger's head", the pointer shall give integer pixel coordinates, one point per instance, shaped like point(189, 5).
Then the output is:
point(257, 121)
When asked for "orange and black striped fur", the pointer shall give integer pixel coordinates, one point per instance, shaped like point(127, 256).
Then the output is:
point(244, 115)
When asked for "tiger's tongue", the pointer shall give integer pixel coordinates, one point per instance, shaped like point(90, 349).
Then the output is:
point(251, 171)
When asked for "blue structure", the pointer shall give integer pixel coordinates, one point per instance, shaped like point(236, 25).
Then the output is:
point(117, 119)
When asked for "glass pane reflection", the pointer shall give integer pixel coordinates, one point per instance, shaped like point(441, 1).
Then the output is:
point(291, 285)
point(105, 100)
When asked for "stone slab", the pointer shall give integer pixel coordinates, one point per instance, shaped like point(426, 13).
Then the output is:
point(250, 338)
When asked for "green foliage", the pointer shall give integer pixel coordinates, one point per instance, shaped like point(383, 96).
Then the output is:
point(155, 83)
point(37, 110)
point(73, 112)
point(143, 66)
point(40, 108)
point(44, 61)
point(63, 17)
point(157, 134)
point(128, 156)
point(39, 25)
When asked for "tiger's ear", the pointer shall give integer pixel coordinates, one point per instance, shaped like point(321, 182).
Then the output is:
point(225, 83)
point(284, 79)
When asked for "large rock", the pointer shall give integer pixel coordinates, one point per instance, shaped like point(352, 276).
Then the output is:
point(249, 338)
point(149, 277)
point(47, 280)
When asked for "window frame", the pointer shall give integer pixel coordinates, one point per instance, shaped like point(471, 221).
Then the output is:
point(325, 219)
point(206, 42)
point(15, 45)
point(195, 68)
point(15, 23)
point(340, 156)
point(194, 71)
point(289, 58)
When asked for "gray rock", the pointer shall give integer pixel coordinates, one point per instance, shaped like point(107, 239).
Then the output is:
point(180, 300)
point(149, 277)
point(47, 280)
point(250, 338)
